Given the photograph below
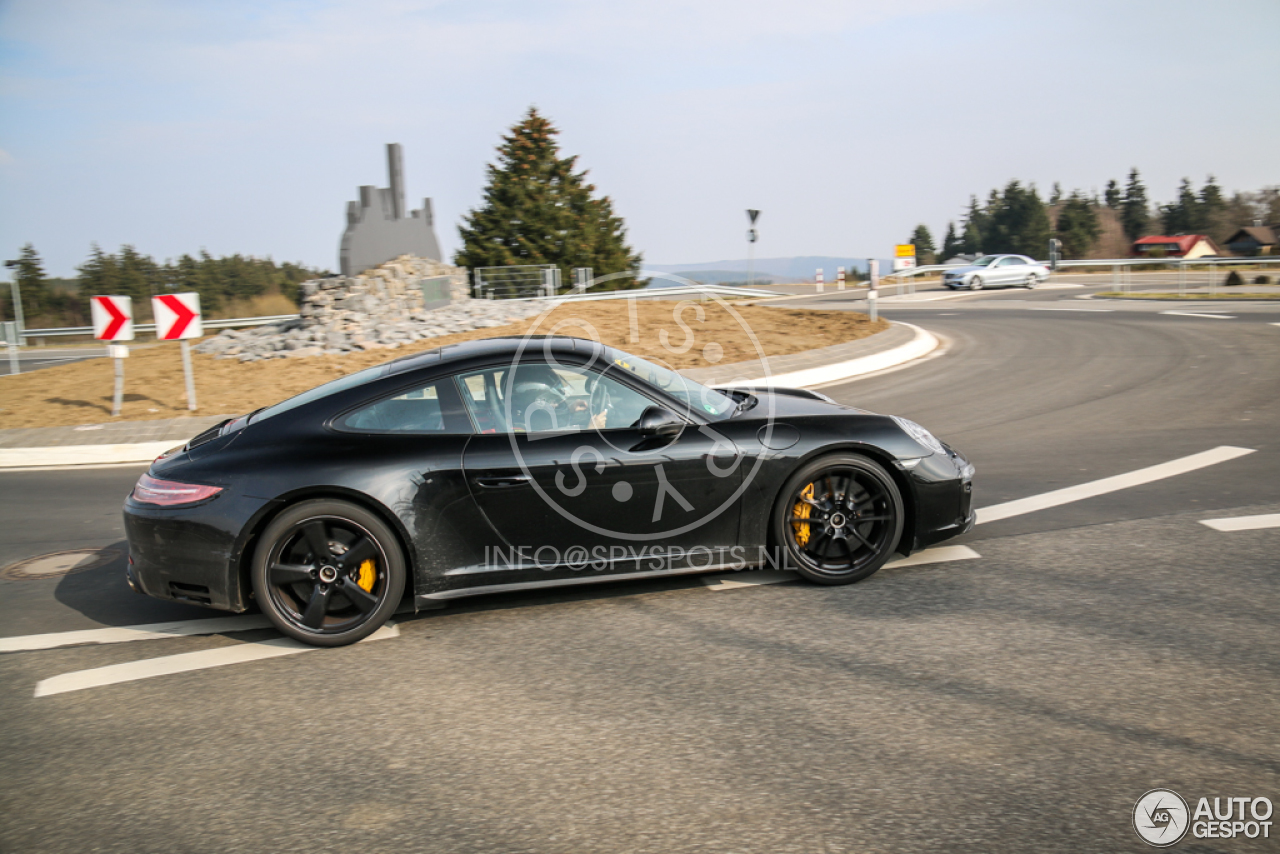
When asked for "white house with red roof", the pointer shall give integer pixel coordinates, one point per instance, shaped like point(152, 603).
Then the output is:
point(1175, 246)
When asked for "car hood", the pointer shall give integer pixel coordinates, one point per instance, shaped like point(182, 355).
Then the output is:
point(787, 402)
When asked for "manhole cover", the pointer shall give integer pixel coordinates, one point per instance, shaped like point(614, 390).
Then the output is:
point(59, 563)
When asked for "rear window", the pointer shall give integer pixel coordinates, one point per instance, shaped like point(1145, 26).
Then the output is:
point(320, 391)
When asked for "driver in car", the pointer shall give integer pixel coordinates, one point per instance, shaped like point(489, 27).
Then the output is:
point(541, 401)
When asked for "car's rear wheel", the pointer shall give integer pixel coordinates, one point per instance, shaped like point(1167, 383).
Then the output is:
point(328, 572)
point(839, 519)
point(975, 284)
point(1032, 280)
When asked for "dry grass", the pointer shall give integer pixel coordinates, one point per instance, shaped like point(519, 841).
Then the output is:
point(80, 393)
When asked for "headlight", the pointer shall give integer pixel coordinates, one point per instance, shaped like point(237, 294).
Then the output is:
point(921, 435)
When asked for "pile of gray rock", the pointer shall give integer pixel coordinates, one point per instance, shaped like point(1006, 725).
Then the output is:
point(406, 300)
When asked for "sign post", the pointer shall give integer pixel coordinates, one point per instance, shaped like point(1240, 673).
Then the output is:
point(752, 237)
point(839, 278)
point(178, 319)
point(11, 340)
point(113, 321)
point(819, 280)
point(873, 292)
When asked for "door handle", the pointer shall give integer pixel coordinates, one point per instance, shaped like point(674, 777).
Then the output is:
point(503, 482)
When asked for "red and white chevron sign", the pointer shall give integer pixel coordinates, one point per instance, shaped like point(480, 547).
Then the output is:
point(177, 316)
point(112, 318)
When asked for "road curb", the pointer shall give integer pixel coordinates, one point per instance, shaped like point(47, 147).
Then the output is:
point(922, 344)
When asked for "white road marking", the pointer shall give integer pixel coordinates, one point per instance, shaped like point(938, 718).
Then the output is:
point(124, 634)
point(756, 577)
point(147, 631)
point(1244, 523)
point(1056, 308)
point(132, 671)
point(1183, 465)
point(1275, 324)
point(1197, 314)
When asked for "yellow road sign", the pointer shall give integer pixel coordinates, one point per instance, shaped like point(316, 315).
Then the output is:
point(905, 250)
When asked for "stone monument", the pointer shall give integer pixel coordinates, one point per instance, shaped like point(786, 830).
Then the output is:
point(377, 228)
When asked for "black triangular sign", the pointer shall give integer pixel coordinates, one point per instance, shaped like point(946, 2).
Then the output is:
point(751, 215)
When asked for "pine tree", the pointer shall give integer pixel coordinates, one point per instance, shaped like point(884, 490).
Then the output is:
point(974, 226)
point(32, 285)
point(1078, 226)
point(1112, 194)
point(923, 241)
point(952, 245)
point(1183, 215)
point(1213, 212)
point(1134, 215)
point(537, 210)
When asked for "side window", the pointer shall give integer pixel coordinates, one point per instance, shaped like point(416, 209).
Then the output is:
point(542, 398)
point(1011, 262)
point(432, 408)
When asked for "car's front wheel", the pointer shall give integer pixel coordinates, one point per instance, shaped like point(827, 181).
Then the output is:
point(328, 572)
point(839, 519)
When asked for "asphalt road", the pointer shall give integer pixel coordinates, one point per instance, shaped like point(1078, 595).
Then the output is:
point(1022, 700)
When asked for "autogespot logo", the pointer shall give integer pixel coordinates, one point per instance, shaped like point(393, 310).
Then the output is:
point(1161, 818)
point(596, 403)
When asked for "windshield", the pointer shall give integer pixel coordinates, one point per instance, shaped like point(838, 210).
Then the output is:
point(331, 387)
point(984, 261)
point(711, 403)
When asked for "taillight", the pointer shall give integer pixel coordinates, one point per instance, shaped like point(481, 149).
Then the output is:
point(170, 493)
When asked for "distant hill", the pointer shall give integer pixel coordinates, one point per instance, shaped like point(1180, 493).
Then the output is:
point(800, 268)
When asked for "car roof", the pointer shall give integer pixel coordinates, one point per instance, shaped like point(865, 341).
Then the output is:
point(508, 345)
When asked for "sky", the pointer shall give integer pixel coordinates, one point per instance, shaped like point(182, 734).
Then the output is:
point(245, 127)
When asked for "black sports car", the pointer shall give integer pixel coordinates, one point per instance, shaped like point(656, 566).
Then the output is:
point(511, 464)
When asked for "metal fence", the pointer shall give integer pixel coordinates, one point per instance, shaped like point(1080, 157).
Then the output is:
point(522, 281)
point(1184, 272)
point(231, 323)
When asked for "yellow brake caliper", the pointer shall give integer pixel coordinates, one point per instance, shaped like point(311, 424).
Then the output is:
point(803, 510)
point(367, 576)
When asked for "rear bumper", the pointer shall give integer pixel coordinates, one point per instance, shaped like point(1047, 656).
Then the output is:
point(191, 554)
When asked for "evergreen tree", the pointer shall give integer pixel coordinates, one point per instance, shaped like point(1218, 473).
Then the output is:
point(1019, 222)
point(1078, 227)
point(1213, 212)
point(923, 241)
point(1112, 194)
point(952, 245)
point(974, 226)
point(32, 285)
point(1183, 215)
point(1134, 215)
point(537, 210)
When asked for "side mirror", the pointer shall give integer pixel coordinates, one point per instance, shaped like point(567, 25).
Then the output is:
point(659, 421)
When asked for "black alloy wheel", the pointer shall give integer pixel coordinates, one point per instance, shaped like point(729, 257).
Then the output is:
point(839, 518)
point(328, 572)
point(975, 284)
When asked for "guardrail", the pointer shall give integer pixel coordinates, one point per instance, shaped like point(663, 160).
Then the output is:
point(151, 327)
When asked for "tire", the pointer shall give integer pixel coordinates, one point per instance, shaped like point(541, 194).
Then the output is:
point(839, 490)
point(334, 598)
point(1032, 281)
point(975, 284)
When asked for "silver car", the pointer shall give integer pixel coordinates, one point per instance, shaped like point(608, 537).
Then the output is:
point(991, 270)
